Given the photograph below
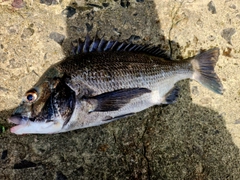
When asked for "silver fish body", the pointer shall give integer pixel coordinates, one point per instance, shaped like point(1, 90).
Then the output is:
point(98, 86)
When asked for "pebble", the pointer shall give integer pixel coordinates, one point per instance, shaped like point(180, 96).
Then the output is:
point(12, 29)
point(4, 57)
point(211, 38)
point(205, 100)
point(49, 2)
point(227, 34)
point(89, 27)
point(14, 64)
point(18, 4)
point(105, 4)
point(68, 11)
point(125, 3)
point(200, 23)
point(232, 6)
point(59, 38)
point(211, 7)
point(3, 90)
point(134, 38)
point(237, 121)
point(195, 90)
point(27, 32)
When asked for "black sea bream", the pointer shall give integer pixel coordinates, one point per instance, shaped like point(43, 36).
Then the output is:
point(104, 81)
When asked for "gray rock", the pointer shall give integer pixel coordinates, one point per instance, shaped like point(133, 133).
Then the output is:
point(227, 34)
point(27, 32)
point(211, 7)
point(57, 37)
point(68, 11)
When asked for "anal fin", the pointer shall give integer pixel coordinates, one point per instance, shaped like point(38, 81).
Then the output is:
point(171, 96)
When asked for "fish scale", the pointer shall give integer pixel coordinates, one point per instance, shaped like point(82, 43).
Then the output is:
point(140, 74)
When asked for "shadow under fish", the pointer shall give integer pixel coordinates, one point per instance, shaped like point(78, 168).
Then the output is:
point(107, 80)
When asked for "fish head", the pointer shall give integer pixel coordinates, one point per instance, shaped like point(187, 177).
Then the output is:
point(44, 109)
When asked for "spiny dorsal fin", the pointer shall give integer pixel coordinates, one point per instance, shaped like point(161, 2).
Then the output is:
point(102, 45)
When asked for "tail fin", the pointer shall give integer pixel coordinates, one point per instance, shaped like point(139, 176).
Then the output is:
point(203, 65)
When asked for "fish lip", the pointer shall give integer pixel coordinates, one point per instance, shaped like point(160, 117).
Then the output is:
point(18, 119)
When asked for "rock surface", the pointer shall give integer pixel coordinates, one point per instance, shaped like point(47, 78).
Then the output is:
point(196, 138)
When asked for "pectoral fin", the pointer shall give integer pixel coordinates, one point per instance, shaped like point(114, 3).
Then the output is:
point(112, 101)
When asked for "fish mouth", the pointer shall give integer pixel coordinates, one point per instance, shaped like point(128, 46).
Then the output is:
point(20, 122)
point(18, 119)
point(25, 125)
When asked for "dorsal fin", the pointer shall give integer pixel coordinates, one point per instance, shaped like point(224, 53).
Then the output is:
point(102, 45)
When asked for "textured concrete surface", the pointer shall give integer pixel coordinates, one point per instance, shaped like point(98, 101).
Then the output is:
point(196, 138)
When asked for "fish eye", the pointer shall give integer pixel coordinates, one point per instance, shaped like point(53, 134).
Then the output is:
point(31, 95)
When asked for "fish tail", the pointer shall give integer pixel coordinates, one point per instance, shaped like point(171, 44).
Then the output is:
point(203, 65)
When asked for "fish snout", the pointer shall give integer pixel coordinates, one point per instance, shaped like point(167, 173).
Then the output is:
point(17, 119)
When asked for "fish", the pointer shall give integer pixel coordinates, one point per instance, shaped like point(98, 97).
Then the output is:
point(103, 81)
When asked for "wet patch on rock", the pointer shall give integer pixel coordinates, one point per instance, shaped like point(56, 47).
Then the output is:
point(61, 176)
point(4, 154)
point(79, 172)
point(24, 164)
